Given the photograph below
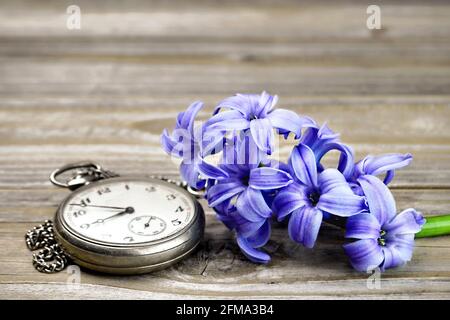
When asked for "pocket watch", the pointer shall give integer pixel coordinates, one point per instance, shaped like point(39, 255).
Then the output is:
point(116, 224)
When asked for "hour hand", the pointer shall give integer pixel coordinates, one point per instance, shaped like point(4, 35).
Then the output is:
point(98, 221)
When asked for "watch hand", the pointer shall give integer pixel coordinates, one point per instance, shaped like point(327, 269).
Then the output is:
point(148, 222)
point(127, 210)
point(95, 206)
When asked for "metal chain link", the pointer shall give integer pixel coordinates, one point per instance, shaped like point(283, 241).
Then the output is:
point(51, 258)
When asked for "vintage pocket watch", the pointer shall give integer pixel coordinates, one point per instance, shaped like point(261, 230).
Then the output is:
point(117, 225)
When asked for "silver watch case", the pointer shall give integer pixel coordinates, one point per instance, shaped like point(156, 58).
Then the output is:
point(131, 258)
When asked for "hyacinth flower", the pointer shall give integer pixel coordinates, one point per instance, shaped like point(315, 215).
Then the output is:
point(378, 165)
point(247, 188)
point(322, 140)
point(384, 239)
point(184, 143)
point(255, 113)
point(312, 196)
point(239, 195)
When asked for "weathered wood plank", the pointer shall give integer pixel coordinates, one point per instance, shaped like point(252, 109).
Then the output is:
point(374, 121)
point(310, 20)
point(310, 52)
point(295, 272)
point(108, 78)
point(408, 289)
point(128, 140)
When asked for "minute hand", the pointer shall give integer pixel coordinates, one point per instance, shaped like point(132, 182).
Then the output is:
point(95, 206)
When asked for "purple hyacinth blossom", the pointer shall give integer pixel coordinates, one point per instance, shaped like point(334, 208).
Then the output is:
point(184, 143)
point(386, 163)
point(385, 240)
point(378, 165)
point(312, 196)
point(252, 227)
point(239, 195)
point(322, 140)
point(255, 113)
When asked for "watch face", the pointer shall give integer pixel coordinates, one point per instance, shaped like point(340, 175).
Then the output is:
point(123, 212)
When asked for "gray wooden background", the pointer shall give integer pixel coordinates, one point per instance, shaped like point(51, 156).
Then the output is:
point(106, 91)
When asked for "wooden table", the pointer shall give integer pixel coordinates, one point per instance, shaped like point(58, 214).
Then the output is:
point(105, 93)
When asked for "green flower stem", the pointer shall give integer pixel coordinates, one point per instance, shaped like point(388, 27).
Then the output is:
point(435, 226)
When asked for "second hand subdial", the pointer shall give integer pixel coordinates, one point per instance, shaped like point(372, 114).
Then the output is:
point(147, 225)
point(148, 222)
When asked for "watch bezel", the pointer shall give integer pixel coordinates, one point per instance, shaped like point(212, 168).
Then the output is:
point(60, 212)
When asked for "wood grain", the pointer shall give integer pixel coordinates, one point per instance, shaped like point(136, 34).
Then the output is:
point(105, 93)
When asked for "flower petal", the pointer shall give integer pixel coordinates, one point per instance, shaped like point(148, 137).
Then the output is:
point(251, 253)
point(364, 254)
point(168, 144)
point(212, 141)
point(226, 214)
point(239, 103)
point(314, 137)
point(230, 151)
point(397, 252)
point(210, 171)
point(332, 180)
point(303, 164)
point(190, 174)
point(389, 176)
point(252, 206)
point(261, 237)
point(262, 133)
point(341, 204)
point(247, 152)
point(385, 163)
point(325, 133)
point(307, 122)
point(345, 165)
point(227, 121)
point(272, 163)
point(304, 225)
point(265, 104)
point(408, 221)
point(185, 146)
point(289, 199)
point(266, 178)
point(380, 200)
point(336, 195)
point(245, 227)
point(186, 119)
point(236, 171)
point(323, 140)
point(224, 190)
point(362, 226)
point(286, 120)
point(346, 159)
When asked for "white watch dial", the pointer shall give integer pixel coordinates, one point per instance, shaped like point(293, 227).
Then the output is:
point(129, 212)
